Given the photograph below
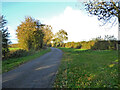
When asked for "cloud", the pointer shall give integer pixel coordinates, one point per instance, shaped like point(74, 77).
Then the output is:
point(79, 25)
point(13, 36)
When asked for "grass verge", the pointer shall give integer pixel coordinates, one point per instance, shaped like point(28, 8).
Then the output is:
point(88, 69)
point(12, 63)
point(11, 49)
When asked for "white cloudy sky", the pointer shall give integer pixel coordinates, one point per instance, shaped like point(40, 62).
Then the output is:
point(79, 25)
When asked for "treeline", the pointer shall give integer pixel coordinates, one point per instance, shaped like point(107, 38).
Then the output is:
point(106, 43)
point(92, 44)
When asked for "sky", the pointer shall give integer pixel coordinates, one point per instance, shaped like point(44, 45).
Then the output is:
point(69, 16)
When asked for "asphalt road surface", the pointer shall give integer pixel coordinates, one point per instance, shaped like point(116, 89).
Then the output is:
point(38, 73)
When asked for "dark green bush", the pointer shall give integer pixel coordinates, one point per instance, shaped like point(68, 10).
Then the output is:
point(105, 45)
point(18, 53)
point(49, 45)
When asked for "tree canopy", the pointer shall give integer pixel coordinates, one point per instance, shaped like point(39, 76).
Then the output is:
point(29, 34)
point(5, 36)
point(105, 10)
point(60, 36)
point(48, 34)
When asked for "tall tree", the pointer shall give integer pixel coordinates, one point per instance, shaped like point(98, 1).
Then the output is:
point(48, 34)
point(104, 9)
point(60, 37)
point(5, 36)
point(29, 34)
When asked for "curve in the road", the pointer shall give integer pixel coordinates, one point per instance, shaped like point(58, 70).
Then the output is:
point(38, 73)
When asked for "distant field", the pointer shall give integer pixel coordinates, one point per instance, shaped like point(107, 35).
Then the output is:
point(13, 49)
point(88, 69)
point(11, 63)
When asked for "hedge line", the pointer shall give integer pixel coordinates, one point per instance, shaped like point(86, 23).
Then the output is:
point(94, 45)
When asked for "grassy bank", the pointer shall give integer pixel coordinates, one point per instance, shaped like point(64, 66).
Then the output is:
point(88, 69)
point(10, 64)
point(11, 49)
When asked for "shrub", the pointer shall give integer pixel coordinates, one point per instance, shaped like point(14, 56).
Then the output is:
point(105, 45)
point(49, 45)
point(18, 53)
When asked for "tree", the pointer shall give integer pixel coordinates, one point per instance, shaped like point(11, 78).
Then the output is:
point(5, 36)
point(107, 42)
point(105, 38)
point(110, 37)
point(29, 34)
point(104, 10)
point(48, 34)
point(38, 36)
point(60, 37)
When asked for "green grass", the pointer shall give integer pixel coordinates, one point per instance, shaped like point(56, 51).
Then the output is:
point(12, 63)
point(11, 49)
point(88, 69)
